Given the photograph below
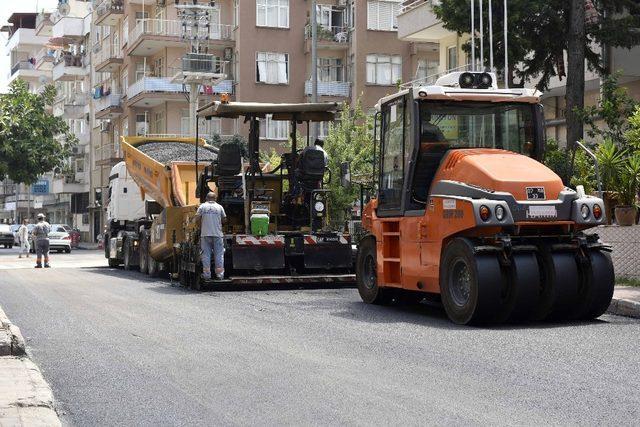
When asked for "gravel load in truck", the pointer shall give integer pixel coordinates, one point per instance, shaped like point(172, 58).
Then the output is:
point(167, 152)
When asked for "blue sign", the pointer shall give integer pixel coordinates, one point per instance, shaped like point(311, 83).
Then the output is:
point(40, 187)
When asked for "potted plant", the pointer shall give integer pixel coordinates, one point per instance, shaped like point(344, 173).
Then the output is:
point(628, 187)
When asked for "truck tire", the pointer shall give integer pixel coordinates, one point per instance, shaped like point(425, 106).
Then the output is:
point(153, 267)
point(144, 254)
point(114, 263)
point(126, 254)
point(366, 274)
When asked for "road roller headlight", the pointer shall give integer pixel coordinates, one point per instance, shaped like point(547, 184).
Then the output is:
point(584, 211)
point(485, 213)
point(319, 207)
point(597, 211)
point(499, 212)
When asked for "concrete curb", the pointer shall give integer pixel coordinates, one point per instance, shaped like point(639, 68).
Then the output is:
point(25, 396)
point(624, 307)
point(18, 347)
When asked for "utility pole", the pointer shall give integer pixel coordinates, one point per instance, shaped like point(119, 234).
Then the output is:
point(314, 61)
point(490, 37)
point(473, 35)
point(481, 38)
point(506, 49)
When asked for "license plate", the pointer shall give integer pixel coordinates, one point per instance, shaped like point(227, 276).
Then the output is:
point(537, 212)
point(535, 193)
point(328, 239)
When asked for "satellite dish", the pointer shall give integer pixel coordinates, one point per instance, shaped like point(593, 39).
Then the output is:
point(64, 9)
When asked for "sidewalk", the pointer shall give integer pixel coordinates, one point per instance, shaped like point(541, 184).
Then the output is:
point(626, 301)
point(25, 397)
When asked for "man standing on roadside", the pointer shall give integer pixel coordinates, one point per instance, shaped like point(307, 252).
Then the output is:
point(41, 238)
point(211, 215)
point(23, 235)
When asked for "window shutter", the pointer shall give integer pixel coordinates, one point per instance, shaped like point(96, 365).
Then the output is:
point(372, 15)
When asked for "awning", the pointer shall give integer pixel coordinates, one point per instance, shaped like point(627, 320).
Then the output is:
point(314, 112)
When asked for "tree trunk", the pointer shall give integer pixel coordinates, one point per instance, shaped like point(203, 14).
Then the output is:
point(575, 74)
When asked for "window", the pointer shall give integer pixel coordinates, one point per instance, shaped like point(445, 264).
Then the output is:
point(125, 126)
point(383, 15)
point(274, 129)
point(426, 68)
point(272, 68)
point(235, 13)
point(158, 122)
point(272, 13)
point(125, 30)
point(323, 129)
point(158, 67)
point(452, 57)
point(330, 70)
point(384, 69)
point(393, 155)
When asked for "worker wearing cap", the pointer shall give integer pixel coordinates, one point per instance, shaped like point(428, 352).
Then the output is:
point(211, 215)
point(41, 237)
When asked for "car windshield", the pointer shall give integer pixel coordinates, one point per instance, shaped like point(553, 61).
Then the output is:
point(58, 228)
point(479, 124)
point(4, 228)
point(15, 227)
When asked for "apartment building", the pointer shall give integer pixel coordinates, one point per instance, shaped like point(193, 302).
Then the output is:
point(418, 23)
point(263, 47)
point(48, 48)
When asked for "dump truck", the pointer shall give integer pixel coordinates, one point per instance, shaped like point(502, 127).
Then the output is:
point(465, 211)
point(277, 220)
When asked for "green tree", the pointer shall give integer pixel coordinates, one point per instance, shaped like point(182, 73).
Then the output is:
point(32, 140)
point(350, 139)
point(615, 107)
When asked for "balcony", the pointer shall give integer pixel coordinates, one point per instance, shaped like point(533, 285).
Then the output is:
point(69, 27)
point(109, 12)
point(44, 59)
point(71, 106)
point(109, 106)
point(24, 40)
point(152, 91)
point(149, 36)
point(43, 24)
point(340, 89)
point(68, 185)
point(331, 38)
point(418, 23)
point(70, 67)
point(25, 70)
point(108, 59)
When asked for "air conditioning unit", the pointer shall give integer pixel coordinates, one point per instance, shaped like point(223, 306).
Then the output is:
point(78, 149)
point(161, 3)
point(228, 53)
point(105, 126)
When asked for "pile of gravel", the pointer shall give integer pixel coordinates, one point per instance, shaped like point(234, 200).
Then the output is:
point(167, 152)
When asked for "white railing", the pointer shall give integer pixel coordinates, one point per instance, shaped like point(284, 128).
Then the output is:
point(21, 65)
point(42, 19)
point(329, 88)
point(109, 6)
point(339, 34)
point(108, 101)
point(431, 79)
point(108, 51)
point(173, 28)
point(412, 4)
point(154, 84)
point(224, 86)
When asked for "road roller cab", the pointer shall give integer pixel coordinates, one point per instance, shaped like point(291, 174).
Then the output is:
point(466, 210)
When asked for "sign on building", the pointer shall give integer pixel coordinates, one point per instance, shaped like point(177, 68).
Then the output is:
point(40, 187)
point(10, 206)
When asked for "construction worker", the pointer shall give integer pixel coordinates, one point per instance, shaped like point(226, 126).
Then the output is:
point(317, 145)
point(41, 238)
point(211, 215)
point(23, 236)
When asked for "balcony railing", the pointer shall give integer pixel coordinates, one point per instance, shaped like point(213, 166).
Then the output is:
point(109, 101)
point(329, 88)
point(154, 84)
point(107, 52)
point(42, 19)
point(338, 34)
point(109, 6)
point(171, 28)
point(412, 4)
point(22, 65)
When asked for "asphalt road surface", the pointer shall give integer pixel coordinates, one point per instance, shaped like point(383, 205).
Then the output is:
point(121, 349)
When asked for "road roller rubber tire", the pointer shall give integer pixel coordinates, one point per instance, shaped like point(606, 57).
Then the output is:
point(598, 281)
point(144, 253)
point(560, 279)
point(524, 287)
point(366, 275)
point(470, 284)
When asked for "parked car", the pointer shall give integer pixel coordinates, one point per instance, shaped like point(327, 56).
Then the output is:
point(59, 239)
point(14, 230)
point(6, 236)
point(75, 234)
